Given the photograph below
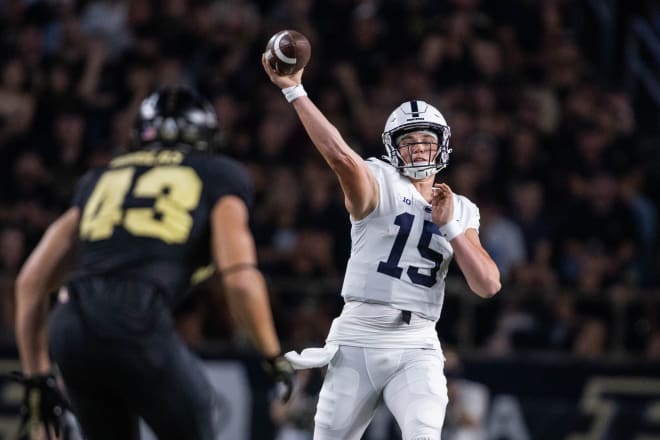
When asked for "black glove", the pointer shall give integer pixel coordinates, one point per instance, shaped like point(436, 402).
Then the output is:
point(43, 403)
point(282, 373)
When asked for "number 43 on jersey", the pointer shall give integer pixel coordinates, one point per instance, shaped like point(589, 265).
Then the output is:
point(176, 191)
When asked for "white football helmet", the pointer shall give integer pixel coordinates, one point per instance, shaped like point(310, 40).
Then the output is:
point(412, 116)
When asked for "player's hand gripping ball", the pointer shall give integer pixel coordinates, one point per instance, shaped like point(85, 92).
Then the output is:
point(287, 52)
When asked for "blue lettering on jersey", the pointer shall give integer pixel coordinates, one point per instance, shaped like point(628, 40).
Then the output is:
point(407, 201)
point(391, 267)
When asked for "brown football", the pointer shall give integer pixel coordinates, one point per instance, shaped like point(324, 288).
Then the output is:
point(288, 51)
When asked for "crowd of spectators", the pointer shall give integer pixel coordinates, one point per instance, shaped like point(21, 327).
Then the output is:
point(549, 148)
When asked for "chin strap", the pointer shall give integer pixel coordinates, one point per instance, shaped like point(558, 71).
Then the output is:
point(414, 174)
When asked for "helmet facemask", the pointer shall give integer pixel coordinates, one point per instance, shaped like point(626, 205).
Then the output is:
point(410, 117)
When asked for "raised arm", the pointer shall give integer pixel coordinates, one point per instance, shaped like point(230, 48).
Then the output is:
point(357, 181)
point(43, 272)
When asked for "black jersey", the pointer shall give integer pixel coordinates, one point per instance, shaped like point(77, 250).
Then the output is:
point(146, 215)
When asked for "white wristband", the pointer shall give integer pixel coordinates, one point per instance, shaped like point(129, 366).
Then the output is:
point(451, 230)
point(293, 92)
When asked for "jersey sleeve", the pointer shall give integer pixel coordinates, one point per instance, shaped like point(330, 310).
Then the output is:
point(84, 188)
point(468, 213)
point(385, 175)
point(224, 177)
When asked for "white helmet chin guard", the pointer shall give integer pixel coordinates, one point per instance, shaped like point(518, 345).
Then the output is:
point(413, 116)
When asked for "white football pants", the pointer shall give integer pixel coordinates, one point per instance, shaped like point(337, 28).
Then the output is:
point(410, 381)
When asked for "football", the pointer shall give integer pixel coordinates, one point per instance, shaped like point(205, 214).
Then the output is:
point(287, 52)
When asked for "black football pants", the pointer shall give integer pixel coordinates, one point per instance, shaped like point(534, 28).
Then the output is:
point(121, 359)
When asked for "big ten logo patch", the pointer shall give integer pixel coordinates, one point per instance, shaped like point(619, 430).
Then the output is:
point(406, 200)
point(620, 408)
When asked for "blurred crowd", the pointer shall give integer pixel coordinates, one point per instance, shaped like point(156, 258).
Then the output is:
point(551, 149)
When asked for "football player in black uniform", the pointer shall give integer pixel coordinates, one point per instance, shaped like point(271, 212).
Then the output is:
point(126, 250)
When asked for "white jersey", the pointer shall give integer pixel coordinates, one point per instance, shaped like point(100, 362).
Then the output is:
point(398, 263)
point(398, 259)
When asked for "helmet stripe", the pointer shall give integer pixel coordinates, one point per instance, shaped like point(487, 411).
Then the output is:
point(414, 109)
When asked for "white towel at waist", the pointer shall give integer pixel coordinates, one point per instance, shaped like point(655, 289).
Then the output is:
point(314, 357)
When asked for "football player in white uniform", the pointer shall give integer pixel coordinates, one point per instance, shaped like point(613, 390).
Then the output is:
point(405, 230)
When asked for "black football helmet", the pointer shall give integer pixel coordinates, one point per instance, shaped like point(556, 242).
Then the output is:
point(176, 116)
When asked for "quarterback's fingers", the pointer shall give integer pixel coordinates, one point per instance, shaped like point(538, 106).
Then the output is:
point(265, 63)
point(442, 190)
point(439, 192)
point(267, 68)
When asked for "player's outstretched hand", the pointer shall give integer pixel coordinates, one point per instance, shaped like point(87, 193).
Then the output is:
point(282, 81)
point(43, 404)
point(282, 373)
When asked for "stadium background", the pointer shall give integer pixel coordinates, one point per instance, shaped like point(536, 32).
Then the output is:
point(554, 110)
